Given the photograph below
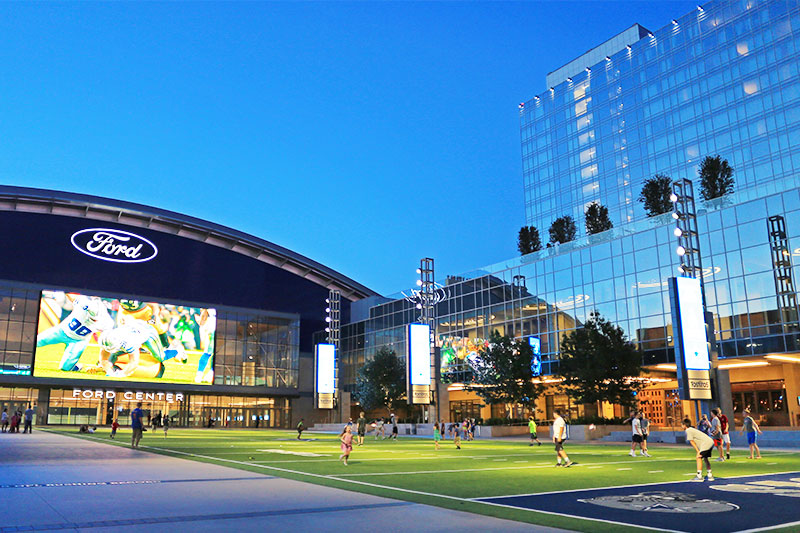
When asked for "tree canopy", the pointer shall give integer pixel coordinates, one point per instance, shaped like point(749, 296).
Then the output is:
point(598, 362)
point(528, 240)
point(716, 177)
point(502, 372)
point(655, 195)
point(381, 382)
point(563, 230)
point(597, 218)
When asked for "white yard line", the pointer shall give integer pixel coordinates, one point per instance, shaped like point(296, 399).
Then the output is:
point(538, 466)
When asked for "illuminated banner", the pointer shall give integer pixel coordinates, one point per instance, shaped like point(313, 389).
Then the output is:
point(691, 339)
point(536, 360)
point(325, 371)
point(116, 339)
point(418, 363)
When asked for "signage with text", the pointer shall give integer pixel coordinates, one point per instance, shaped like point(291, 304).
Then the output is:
point(114, 245)
point(691, 339)
point(325, 370)
point(418, 363)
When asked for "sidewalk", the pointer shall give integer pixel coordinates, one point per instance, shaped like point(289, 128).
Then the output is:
point(53, 482)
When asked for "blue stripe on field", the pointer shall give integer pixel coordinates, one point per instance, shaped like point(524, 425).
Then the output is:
point(134, 482)
point(201, 518)
point(755, 510)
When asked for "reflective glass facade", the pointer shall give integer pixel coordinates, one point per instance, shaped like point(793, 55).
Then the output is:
point(722, 79)
point(622, 274)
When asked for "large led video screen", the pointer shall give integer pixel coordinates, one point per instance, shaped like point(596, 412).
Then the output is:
point(90, 337)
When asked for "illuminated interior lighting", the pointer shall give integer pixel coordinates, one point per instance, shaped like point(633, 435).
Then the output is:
point(784, 358)
point(667, 366)
point(744, 365)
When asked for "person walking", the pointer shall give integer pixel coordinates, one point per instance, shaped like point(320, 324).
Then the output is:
point(4, 420)
point(636, 434)
point(380, 431)
point(361, 427)
point(645, 424)
point(726, 437)
point(346, 438)
point(750, 427)
point(114, 427)
point(300, 427)
point(534, 431)
point(137, 425)
point(165, 422)
point(702, 444)
point(394, 429)
point(28, 420)
point(716, 432)
point(559, 436)
point(457, 435)
point(437, 436)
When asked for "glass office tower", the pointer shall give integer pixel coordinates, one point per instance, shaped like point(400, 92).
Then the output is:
point(722, 79)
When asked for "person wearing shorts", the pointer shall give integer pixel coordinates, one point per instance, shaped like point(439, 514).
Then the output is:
point(726, 438)
point(559, 436)
point(437, 436)
point(716, 431)
point(361, 426)
point(750, 427)
point(703, 445)
point(636, 434)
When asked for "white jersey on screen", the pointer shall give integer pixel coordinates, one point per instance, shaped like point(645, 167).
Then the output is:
point(128, 338)
point(88, 316)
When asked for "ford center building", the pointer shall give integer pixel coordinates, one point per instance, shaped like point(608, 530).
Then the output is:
point(106, 303)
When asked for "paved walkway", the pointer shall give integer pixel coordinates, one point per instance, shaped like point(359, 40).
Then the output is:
point(53, 482)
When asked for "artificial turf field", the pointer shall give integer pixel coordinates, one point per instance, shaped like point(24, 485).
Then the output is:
point(410, 469)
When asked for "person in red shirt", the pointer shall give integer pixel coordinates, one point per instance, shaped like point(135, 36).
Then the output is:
point(114, 426)
point(726, 438)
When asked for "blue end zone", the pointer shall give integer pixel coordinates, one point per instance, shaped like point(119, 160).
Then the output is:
point(725, 505)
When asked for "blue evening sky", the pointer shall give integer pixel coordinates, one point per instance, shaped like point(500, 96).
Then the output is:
point(363, 135)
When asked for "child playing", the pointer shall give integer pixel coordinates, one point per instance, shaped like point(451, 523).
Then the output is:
point(114, 426)
point(346, 437)
point(437, 436)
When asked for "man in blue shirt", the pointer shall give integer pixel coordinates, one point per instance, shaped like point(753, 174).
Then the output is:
point(137, 424)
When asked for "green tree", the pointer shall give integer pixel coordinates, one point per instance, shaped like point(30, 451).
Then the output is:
point(598, 362)
point(563, 230)
point(381, 382)
point(655, 195)
point(716, 177)
point(597, 218)
point(528, 240)
point(502, 372)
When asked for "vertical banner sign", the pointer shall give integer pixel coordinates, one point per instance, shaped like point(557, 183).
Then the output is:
point(536, 360)
point(324, 371)
point(418, 364)
point(691, 339)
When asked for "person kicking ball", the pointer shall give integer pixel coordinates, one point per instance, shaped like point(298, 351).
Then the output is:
point(703, 445)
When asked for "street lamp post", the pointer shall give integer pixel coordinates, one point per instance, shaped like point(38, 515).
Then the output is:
point(333, 321)
point(691, 265)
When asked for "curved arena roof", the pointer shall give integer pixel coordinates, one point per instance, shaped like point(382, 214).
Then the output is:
point(30, 200)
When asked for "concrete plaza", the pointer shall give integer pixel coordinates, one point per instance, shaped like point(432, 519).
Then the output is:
point(59, 483)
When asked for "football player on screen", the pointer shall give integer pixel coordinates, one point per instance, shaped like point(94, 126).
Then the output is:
point(128, 341)
point(88, 316)
point(207, 320)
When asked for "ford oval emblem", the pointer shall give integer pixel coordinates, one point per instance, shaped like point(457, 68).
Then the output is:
point(114, 245)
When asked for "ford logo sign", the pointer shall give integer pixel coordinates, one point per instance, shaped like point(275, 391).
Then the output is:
point(114, 245)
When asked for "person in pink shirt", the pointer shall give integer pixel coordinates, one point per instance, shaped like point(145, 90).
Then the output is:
point(346, 436)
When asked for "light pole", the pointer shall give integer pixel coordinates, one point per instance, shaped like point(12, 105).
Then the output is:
point(425, 299)
point(688, 250)
point(333, 306)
